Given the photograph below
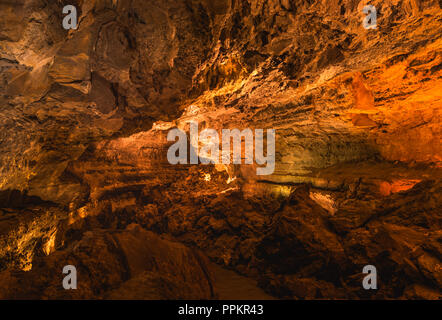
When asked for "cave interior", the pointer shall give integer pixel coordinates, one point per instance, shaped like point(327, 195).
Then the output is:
point(86, 181)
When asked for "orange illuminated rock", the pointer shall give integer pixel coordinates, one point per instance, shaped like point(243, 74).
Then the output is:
point(387, 188)
point(84, 118)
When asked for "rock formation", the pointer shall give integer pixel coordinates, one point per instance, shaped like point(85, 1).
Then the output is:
point(84, 174)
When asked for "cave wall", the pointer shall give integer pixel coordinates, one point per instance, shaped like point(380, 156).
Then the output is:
point(334, 91)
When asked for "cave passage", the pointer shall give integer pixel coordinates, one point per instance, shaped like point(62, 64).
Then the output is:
point(220, 149)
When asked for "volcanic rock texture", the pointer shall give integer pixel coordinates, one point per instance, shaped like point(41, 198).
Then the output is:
point(84, 178)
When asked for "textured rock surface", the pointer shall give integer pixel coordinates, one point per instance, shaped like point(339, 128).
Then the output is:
point(111, 261)
point(334, 91)
point(84, 116)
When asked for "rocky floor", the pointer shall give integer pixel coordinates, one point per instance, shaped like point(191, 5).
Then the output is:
point(232, 286)
point(300, 246)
